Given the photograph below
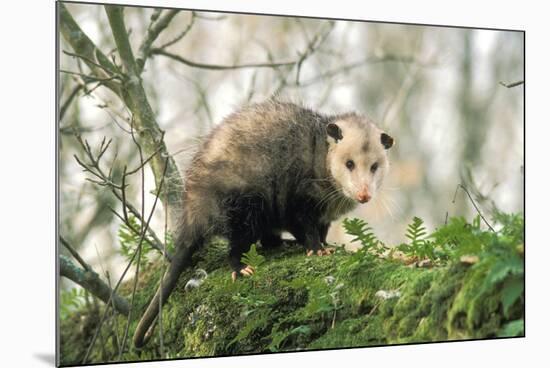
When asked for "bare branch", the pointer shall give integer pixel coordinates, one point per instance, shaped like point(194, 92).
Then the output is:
point(150, 135)
point(89, 78)
point(369, 60)
point(460, 186)
point(511, 85)
point(182, 33)
point(86, 49)
point(158, 51)
point(63, 109)
point(315, 42)
point(90, 281)
point(153, 32)
point(75, 254)
point(142, 238)
point(118, 191)
point(90, 61)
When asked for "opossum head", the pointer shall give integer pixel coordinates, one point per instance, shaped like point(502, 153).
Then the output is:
point(357, 156)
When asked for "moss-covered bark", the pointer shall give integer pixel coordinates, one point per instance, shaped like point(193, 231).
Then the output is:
point(299, 303)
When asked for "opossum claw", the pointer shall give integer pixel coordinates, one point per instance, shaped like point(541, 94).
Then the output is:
point(320, 252)
point(247, 271)
point(329, 251)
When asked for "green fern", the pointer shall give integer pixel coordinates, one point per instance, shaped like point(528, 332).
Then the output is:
point(363, 233)
point(419, 246)
point(252, 258)
point(129, 241)
point(416, 231)
point(71, 300)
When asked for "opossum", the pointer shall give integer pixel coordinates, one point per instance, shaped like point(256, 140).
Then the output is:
point(272, 167)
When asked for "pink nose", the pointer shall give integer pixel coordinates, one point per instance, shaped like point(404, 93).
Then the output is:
point(364, 196)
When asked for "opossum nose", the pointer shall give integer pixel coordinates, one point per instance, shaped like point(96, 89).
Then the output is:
point(364, 196)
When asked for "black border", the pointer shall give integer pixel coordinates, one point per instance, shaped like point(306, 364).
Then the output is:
point(236, 12)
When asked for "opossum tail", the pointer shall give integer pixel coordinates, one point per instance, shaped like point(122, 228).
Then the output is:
point(180, 261)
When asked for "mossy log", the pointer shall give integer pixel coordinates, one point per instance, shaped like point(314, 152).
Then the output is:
point(294, 302)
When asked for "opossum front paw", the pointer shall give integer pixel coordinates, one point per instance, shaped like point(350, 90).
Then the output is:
point(245, 271)
point(320, 252)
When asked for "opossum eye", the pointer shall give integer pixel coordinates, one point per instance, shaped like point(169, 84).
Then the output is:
point(374, 167)
point(350, 164)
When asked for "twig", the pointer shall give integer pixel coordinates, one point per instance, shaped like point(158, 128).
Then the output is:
point(68, 101)
point(95, 169)
point(511, 85)
point(75, 254)
point(152, 242)
point(161, 338)
point(194, 64)
point(145, 162)
point(89, 78)
point(368, 60)
point(315, 42)
point(373, 309)
point(124, 209)
point(142, 235)
point(460, 186)
point(182, 33)
point(86, 49)
point(159, 189)
point(152, 33)
point(125, 271)
point(92, 62)
point(142, 112)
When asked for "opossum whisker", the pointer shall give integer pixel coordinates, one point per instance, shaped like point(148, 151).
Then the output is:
point(392, 202)
point(328, 198)
point(387, 208)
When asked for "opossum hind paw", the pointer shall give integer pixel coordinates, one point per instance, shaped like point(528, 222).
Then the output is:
point(245, 271)
point(320, 252)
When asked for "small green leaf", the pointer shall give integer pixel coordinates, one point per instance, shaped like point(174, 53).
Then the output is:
point(512, 290)
point(514, 328)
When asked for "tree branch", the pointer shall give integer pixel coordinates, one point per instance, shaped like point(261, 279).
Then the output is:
point(511, 85)
point(194, 64)
point(152, 33)
point(137, 252)
point(86, 49)
point(150, 135)
point(119, 192)
point(91, 281)
point(182, 33)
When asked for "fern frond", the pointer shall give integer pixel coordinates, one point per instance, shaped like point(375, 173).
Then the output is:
point(362, 232)
point(252, 258)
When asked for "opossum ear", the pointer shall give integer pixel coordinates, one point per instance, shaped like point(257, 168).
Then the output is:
point(334, 131)
point(386, 140)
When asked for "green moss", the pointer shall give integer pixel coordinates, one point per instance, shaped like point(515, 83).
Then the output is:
point(295, 302)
